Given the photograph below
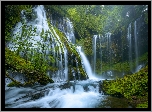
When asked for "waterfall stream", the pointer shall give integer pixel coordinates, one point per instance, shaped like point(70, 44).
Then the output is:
point(94, 52)
point(86, 64)
point(130, 46)
point(81, 94)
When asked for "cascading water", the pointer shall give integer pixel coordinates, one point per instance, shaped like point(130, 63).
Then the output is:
point(65, 26)
point(108, 36)
point(40, 23)
point(130, 46)
point(100, 37)
point(94, 52)
point(136, 46)
point(81, 94)
point(109, 53)
point(136, 43)
point(69, 33)
point(86, 64)
point(66, 64)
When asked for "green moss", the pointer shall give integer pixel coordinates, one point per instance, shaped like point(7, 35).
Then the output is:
point(86, 44)
point(133, 86)
point(16, 63)
point(120, 66)
point(73, 55)
point(12, 16)
point(16, 83)
point(143, 105)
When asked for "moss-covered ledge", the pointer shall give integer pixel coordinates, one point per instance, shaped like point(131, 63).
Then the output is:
point(14, 62)
point(72, 52)
point(133, 87)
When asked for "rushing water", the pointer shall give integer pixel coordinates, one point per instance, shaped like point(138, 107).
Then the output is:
point(108, 36)
point(100, 37)
point(86, 64)
point(130, 46)
point(58, 95)
point(40, 24)
point(79, 94)
point(136, 43)
point(94, 53)
point(134, 49)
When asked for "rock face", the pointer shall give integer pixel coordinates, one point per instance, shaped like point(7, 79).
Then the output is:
point(43, 53)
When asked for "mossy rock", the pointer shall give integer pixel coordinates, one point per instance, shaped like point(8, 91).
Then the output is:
point(135, 85)
point(72, 55)
point(15, 62)
point(142, 105)
point(16, 83)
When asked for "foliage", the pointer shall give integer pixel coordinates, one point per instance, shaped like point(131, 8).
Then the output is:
point(72, 55)
point(34, 62)
point(91, 19)
point(31, 62)
point(12, 16)
point(23, 45)
point(86, 44)
point(16, 63)
point(120, 66)
point(131, 86)
point(143, 105)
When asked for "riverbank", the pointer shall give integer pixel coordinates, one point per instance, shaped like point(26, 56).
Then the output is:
point(133, 87)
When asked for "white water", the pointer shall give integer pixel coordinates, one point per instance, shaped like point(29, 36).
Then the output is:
point(135, 46)
point(109, 56)
point(130, 46)
point(138, 68)
point(94, 52)
point(100, 37)
point(40, 23)
point(70, 32)
point(66, 64)
point(136, 43)
point(86, 64)
point(79, 95)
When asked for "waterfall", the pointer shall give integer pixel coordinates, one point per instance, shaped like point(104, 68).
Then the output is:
point(47, 42)
point(94, 52)
point(130, 46)
point(122, 50)
point(108, 35)
point(65, 26)
point(134, 47)
point(41, 28)
point(100, 37)
point(66, 64)
point(69, 32)
point(86, 64)
point(136, 43)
